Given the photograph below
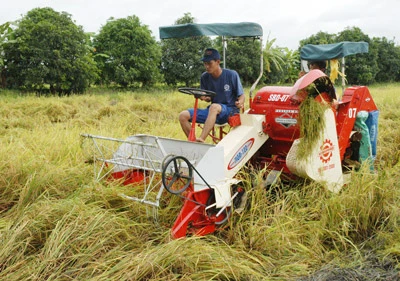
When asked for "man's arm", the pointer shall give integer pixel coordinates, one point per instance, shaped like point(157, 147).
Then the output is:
point(240, 101)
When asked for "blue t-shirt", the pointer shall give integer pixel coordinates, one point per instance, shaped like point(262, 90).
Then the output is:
point(227, 86)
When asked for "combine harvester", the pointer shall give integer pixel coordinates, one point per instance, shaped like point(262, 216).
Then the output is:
point(266, 136)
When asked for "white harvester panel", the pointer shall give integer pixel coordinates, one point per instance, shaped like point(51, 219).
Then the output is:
point(323, 163)
point(147, 152)
point(220, 164)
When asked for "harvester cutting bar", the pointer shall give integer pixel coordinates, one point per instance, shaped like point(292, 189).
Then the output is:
point(139, 160)
point(131, 159)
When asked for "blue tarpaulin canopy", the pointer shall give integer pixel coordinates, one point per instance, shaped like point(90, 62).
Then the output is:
point(241, 29)
point(332, 51)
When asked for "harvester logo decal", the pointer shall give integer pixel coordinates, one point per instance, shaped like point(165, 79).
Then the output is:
point(326, 151)
point(287, 119)
point(240, 154)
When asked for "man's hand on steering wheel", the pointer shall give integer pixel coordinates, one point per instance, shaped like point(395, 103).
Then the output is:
point(205, 98)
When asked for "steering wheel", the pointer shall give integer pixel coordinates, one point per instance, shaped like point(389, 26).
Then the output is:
point(177, 174)
point(197, 92)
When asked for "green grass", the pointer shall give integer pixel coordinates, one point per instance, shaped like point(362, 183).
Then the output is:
point(57, 223)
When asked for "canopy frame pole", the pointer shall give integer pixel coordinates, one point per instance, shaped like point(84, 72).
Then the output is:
point(343, 75)
point(224, 44)
point(260, 75)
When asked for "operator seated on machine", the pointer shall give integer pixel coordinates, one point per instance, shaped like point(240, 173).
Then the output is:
point(321, 65)
point(229, 98)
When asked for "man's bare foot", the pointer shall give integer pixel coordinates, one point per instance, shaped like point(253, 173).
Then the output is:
point(199, 140)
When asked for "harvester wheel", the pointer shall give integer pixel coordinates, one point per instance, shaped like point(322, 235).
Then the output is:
point(197, 92)
point(177, 174)
point(166, 159)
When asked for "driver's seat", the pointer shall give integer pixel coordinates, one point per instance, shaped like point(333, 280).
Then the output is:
point(220, 130)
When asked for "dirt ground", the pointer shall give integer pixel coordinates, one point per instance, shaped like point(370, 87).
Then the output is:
point(371, 270)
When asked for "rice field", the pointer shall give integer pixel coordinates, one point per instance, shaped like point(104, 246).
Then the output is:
point(58, 223)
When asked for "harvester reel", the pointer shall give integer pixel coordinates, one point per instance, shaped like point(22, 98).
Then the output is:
point(177, 174)
point(197, 92)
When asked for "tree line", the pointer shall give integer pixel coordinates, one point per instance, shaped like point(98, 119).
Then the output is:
point(46, 52)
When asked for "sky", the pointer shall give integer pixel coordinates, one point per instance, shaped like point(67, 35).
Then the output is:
point(286, 21)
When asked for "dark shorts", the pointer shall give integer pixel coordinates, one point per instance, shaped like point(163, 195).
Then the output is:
point(222, 117)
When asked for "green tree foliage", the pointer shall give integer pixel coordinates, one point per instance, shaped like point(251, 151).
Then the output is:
point(318, 39)
point(380, 64)
point(273, 60)
point(46, 50)
point(5, 29)
point(244, 57)
point(287, 71)
point(180, 62)
point(291, 59)
point(388, 56)
point(360, 69)
point(126, 53)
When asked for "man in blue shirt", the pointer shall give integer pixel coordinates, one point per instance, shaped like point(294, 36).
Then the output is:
point(229, 98)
